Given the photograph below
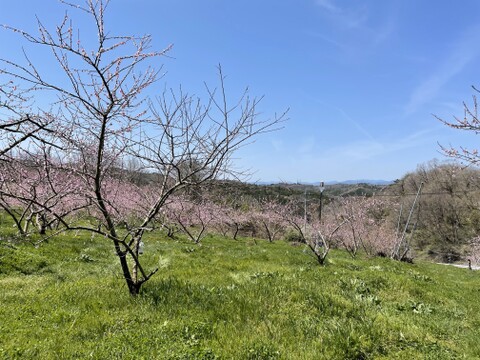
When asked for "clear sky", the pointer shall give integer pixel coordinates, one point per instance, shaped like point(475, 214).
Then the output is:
point(362, 79)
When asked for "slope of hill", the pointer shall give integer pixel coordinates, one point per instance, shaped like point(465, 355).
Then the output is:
point(245, 299)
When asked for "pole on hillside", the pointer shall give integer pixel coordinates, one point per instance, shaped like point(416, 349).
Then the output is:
point(305, 213)
point(322, 189)
point(395, 253)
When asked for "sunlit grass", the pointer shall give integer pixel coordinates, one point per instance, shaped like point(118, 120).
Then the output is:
point(231, 299)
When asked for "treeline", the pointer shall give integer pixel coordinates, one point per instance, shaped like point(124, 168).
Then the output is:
point(443, 224)
point(447, 218)
point(58, 200)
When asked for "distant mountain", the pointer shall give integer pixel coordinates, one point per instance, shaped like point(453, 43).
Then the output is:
point(334, 182)
point(361, 181)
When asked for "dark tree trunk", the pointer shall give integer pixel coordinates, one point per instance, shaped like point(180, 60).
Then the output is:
point(133, 286)
point(235, 233)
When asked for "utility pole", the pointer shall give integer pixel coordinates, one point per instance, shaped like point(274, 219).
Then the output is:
point(322, 189)
point(305, 213)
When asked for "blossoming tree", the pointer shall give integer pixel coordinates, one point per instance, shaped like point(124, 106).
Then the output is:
point(103, 119)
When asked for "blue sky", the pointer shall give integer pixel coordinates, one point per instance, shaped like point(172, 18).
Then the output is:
point(362, 79)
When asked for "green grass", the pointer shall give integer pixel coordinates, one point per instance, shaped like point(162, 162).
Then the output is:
point(231, 299)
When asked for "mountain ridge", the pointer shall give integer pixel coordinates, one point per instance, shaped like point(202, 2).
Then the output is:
point(331, 182)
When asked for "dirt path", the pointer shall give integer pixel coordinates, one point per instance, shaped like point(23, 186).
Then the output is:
point(463, 266)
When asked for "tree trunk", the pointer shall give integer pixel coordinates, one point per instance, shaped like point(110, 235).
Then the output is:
point(133, 286)
point(235, 233)
point(41, 224)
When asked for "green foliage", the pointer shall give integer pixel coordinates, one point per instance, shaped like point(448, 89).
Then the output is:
point(232, 191)
point(447, 213)
point(294, 237)
point(231, 300)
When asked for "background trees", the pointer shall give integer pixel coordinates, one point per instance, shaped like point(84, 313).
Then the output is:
point(368, 225)
point(448, 210)
point(471, 157)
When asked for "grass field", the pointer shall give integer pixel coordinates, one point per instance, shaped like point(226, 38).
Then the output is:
point(231, 299)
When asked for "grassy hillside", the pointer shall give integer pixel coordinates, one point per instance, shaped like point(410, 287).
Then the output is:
point(230, 299)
